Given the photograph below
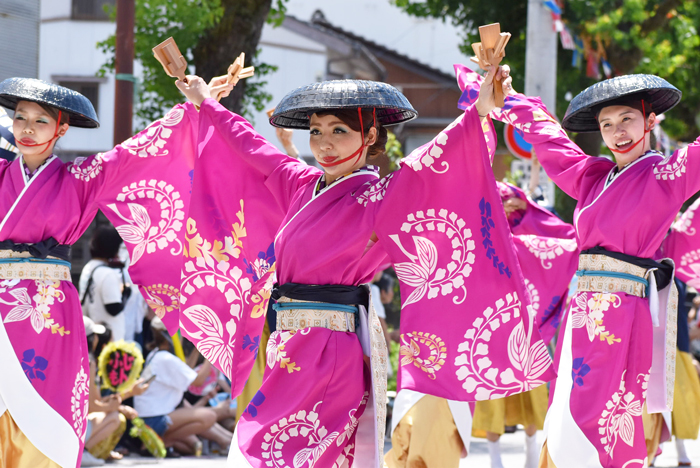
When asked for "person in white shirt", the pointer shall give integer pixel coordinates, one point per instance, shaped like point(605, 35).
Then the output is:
point(158, 405)
point(102, 288)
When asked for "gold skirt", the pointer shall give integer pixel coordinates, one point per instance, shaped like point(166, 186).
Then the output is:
point(426, 436)
point(16, 451)
point(527, 408)
point(685, 416)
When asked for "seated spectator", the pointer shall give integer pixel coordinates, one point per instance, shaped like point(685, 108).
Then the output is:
point(158, 406)
point(107, 416)
point(213, 393)
point(103, 291)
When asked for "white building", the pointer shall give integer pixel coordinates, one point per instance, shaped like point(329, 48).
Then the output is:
point(74, 60)
point(70, 30)
point(19, 38)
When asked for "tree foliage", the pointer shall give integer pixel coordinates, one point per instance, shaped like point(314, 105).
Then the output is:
point(204, 33)
point(637, 36)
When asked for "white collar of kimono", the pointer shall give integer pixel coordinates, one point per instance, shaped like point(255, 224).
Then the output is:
point(321, 184)
point(613, 175)
point(37, 171)
point(27, 184)
point(366, 170)
point(615, 172)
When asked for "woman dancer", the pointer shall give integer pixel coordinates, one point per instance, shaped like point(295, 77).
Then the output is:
point(319, 403)
point(142, 185)
point(624, 211)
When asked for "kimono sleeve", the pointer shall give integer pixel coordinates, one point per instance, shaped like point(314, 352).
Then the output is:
point(143, 187)
point(240, 195)
point(467, 328)
point(682, 245)
point(680, 172)
point(547, 252)
point(565, 163)
point(283, 175)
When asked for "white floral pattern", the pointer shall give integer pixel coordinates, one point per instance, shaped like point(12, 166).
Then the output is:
point(350, 427)
point(139, 229)
point(375, 190)
point(685, 222)
point(422, 271)
point(37, 308)
point(617, 419)
point(432, 361)
point(79, 402)
point(300, 424)
point(533, 295)
point(588, 311)
point(547, 248)
point(151, 141)
point(427, 155)
point(90, 171)
point(672, 167)
point(210, 333)
point(690, 268)
point(476, 369)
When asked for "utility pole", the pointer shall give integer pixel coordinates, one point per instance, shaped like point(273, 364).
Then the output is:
point(541, 55)
point(124, 67)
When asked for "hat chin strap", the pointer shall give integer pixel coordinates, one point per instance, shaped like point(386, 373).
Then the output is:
point(646, 130)
point(55, 135)
point(357, 153)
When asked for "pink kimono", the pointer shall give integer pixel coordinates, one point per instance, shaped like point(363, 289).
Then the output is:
point(605, 353)
point(257, 218)
point(143, 187)
point(683, 246)
point(548, 255)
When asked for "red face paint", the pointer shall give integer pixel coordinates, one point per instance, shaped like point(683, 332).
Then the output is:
point(357, 153)
point(55, 135)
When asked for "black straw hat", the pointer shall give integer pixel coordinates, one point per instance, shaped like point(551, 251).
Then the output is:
point(391, 106)
point(581, 114)
point(78, 107)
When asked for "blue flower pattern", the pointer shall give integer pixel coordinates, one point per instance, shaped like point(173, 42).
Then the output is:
point(252, 344)
point(262, 264)
point(257, 400)
point(578, 372)
point(35, 370)
point(486, 225)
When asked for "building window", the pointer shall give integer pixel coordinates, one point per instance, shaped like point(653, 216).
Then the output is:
point(91, 9)
point(89, 89)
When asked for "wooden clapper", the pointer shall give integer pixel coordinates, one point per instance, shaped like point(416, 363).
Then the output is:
point(175, 65)
point(490, 51)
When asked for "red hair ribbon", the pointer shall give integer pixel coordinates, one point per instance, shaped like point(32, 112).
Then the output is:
point(357, 153)
point(55, 134)
point(646, 130)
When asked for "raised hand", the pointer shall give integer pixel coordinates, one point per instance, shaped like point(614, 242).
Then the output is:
point(195, 89)
point(501, 75)
point(219, 87)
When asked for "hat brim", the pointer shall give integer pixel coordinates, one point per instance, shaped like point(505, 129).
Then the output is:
point(581, 116)
point(76, 119)
point(294, 109)
point(79, 108)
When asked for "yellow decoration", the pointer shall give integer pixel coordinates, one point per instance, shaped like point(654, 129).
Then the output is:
point(134, 372)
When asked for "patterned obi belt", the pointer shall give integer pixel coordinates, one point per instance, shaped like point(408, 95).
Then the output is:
point(327, 306)
point(45, 260)
point(600, 270)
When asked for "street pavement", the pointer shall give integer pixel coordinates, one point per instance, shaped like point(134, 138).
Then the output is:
point(512, 447)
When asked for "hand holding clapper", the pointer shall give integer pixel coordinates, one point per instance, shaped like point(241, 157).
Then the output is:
point(490, 51)
point(175, 65)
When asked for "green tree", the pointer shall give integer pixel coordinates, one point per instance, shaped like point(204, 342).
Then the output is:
point(637, 36)
point(210, 34)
